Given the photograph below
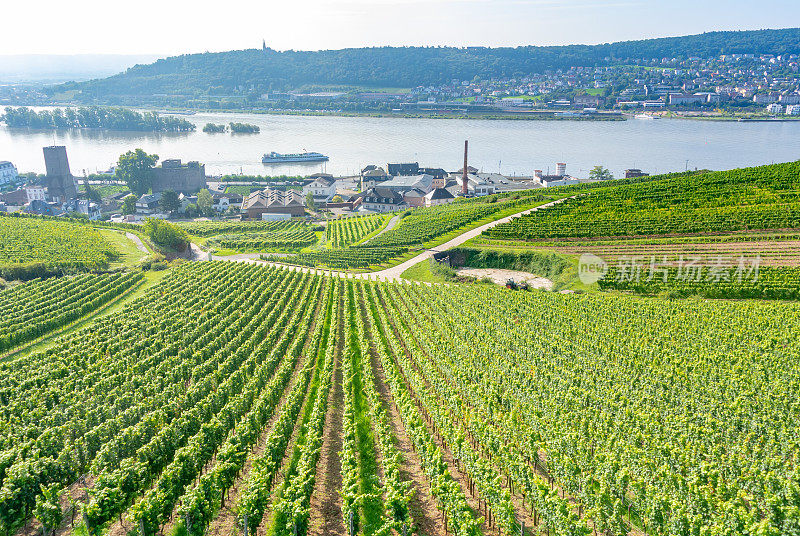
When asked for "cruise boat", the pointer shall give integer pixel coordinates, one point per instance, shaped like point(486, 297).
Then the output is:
point(278, 158)
point(646, 117)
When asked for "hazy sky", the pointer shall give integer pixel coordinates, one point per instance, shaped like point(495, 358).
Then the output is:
point(171, 27)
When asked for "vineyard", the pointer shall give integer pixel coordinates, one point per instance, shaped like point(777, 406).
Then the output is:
point(729, 282)
point(766, 197)
point(212, 228)
point(345, 232)
point(774, 248)
point(32, 309)
point(59, 246)
point(283, 236)
point(418, 227)
point(267, 401)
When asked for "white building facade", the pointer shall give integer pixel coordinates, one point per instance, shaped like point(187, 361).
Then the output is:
point(8, 172)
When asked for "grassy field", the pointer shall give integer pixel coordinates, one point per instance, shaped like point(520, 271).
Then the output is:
point(129, 254)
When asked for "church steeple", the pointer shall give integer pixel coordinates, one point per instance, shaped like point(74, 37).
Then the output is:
point(264, 44)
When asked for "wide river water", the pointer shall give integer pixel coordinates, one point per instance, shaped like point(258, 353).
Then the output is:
point(511, 147)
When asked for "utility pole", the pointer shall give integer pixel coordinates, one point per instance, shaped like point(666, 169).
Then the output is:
point(464, 187)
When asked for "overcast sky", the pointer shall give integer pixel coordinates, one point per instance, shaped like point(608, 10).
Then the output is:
point(169, 27)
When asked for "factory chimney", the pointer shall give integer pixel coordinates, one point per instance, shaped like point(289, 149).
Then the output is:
point(464, 183)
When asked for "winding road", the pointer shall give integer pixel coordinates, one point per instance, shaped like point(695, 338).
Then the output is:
point(393, 273)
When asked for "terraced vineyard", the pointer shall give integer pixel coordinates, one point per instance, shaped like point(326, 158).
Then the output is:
point(344, 232)
point(59, 246)
point(32, 309)
point(766, 197)
point(418, 227)
point(239, 398)
point(286, 236)
point(212, 228)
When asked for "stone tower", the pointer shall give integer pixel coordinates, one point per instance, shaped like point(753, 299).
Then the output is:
point(60, 183)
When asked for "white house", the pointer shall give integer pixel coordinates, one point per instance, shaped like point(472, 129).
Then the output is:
point(36, 193)
point(323, 188)
point(223, 202)
point(793, 109)
point(775, 109)
point(439, 196)
point(559, 179)
point(8, 172)
point(148, 203)
point(381, 200)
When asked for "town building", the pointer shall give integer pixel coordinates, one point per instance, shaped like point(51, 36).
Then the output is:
point(82, 206)
point(634, 173)
point(185, 201)
point(8, 172)
point(414, 198)
point(403, 169)
point(372, 176)
point(438, 196)
point(436, 173)
point(774, 109)
point(264, 204)
point(182, 178)
point(323, 188)
point(686, 100)
point(790, 98)
point(380, 199)
point(224, 202)
point(793, 109)
point(43, 208)
point(404, 183)
point(559, 179)
point(15, 200)
point(35, 192)
point(148, 203)
point(593, 101)
point(60, 182)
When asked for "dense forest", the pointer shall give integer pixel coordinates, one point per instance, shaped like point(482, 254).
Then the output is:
point(95, 117)
point(255, 71)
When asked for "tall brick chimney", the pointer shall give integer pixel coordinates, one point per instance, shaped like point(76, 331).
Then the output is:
point(464, 183)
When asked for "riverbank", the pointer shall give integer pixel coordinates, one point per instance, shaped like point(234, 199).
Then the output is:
point(522, 115)
point(718, 117)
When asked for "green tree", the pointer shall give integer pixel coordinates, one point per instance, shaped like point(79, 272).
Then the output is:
point(92, 194)
point(310, 204)
point(129, 204)
point(165, 234)
point(205, 201)
point(337, 199)
point(599, 173)
point(169, 201)
point(136, 169)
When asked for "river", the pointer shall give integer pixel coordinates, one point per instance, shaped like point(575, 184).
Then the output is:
point(507, 146)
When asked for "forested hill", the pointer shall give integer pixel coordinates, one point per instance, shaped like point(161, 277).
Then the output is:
point(264, 70)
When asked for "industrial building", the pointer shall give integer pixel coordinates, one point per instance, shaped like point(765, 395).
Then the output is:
point(266, 202)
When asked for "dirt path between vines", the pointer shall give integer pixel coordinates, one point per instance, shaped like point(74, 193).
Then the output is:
point(326, 501)
point(226, 520)
point(423, 507)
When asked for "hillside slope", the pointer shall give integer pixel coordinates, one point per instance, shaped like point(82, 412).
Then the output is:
point(256, 71)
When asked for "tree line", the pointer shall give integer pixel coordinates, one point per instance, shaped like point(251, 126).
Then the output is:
point(111, 118)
